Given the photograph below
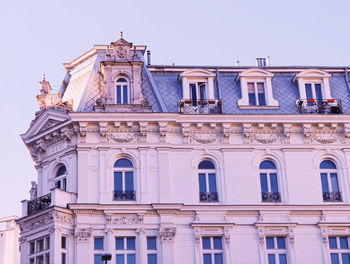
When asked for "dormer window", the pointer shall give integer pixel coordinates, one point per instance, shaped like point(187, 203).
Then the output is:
point(198, 95)
point(122, 91)
point(256, 88)
point(256, 93)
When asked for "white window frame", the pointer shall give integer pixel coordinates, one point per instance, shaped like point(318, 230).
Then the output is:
point(62, 179)
point(122, 90)
point(197, 76)
point(212, 251)
point(255, 83)
point(152, 251)
point(123, 170)
point(313, 76)
point(256, 75)
point(276, 251)
point(339, 251)
point(44, 253)
point(125, 251)
point(328, 172)
point(268, 172)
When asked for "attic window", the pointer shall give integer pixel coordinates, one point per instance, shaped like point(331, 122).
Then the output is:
point(256, 88)
point(122, 91)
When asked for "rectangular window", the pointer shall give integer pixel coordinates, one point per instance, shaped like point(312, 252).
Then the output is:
point(212, 250)
point(63, 258)
point(125, 250)
point(276, 250)
point(256, 93)
point(193, 92)
point(98, 243)
point(98, 259)
point(339, 250)
point(151, 250)
point(63, 242)
point(313, 91)
point(39, 251)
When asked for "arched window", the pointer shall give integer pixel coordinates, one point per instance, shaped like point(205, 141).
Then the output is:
point(207, 182)
point(124, 180)
point(269, 182)
point(60, 178)
point(122, 91)
point(329, 181)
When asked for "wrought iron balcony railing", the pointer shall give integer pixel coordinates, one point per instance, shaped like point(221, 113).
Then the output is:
point(208, 196)
point(200, 107)
point(324, 106)
point(124, 195)
point(39, 204)
point(272, 197)
point(332, 197)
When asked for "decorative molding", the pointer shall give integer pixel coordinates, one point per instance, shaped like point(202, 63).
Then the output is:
point(205, 138)
point(123, 137)
point(127, 220)
point(167, 234)
point(61, 218)
point(162, 131)
point(287, 131)
point(36, 223)
point(48, 124)
point(83, 234)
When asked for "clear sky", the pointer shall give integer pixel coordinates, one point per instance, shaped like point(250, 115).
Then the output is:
point(37, 36)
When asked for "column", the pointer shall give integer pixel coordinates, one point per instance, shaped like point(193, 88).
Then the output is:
point(164, 175)
point(55, 245)
point(24, 246)
point(167, 236)
point(142, 242)
point(83, 245)
point(83, 175)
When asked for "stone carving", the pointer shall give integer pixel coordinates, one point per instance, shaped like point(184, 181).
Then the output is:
point(127, 220)
point(265, 138)
point(33, 191)
point(227, 234)
point(197, 236)
point(61, 218)
point(291, 236)
point(261, 236)
point(326, 139)
point(324, 232)
point(204, 139)
point(123, 137)
point(162, 131)
point(83, 234)
point(167, 234)
point(36, 223)
point(287, 131)
point(49, 123)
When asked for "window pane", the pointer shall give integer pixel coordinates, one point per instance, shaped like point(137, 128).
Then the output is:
point(252, 99)
point(334, 182)
point(318, 91)
point(327, 164)
point(282, 258)
point(202, 183)
point(270, 242)
point(118, 181)
point(98, 243)
point(212, 182)
point(61, 171)
point(119, 94)
point(63, 242)
point(218, 258)
point(206, 164)
point(251, 88)
point(193, 93)
point(123, 163)
point(131, 259)
point(217, 242)
point(271, 258)
point(152, 259)
point(308, 91)
point(202, 92)
point(324, 182)
point(63, 258)
point(119, 243)
point(263, 182)
point(130, 243)
point(207, 259)
point(119, 259)
point(345, 258)
point(121, 80)
point(343, 242)
point(332, 242)
point(273, 182)
point(334, 258)
point(261, 93)
point(129, 181)
point(206, 242)
point(125, 94)
point(64, 184)
point(266, 164)
point(151, 243)
point(98, 259)
point(281, 242)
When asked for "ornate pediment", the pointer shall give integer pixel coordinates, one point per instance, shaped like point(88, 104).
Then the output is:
point(44, 121)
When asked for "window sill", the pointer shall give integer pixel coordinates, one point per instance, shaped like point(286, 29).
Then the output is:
point(257, 107)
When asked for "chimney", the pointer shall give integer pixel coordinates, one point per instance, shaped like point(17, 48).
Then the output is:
point(237, 63)
point(148, 57)
point(263, 62)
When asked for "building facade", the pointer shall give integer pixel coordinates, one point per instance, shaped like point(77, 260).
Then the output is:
point(189, 164)
point(9, 245)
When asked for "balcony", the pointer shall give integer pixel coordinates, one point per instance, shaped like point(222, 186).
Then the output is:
point(39, 204)
point(124, 195)
point(332, 197)
point(200, 107)
point(208, 196)
point(271, 197)
point(324, 106)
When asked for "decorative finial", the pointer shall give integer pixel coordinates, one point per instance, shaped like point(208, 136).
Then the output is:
point(121, 34)
point(44, 77)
